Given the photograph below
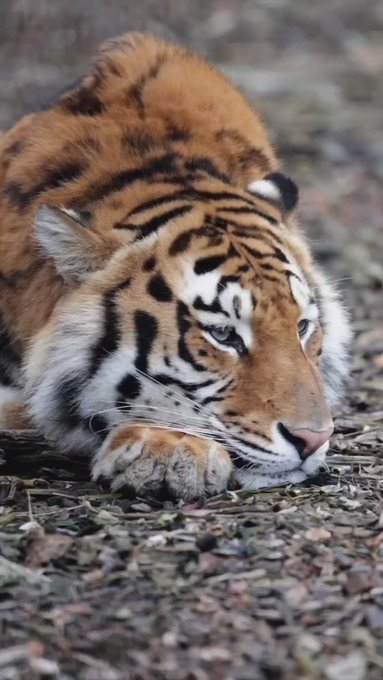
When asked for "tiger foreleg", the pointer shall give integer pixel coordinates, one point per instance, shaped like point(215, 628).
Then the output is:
point(150, 461)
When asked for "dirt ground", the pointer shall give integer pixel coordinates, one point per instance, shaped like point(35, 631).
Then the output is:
point(285, 584)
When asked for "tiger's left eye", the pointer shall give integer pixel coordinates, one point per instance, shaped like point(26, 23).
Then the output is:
point(303, 326)
point(222, 333)
point(226, 335)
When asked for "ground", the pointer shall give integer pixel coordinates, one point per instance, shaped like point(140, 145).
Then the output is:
point(285, 584)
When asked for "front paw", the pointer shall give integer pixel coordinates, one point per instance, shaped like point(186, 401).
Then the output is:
point(155, 462)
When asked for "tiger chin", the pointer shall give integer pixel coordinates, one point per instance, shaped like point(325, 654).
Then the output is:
point(160, 311)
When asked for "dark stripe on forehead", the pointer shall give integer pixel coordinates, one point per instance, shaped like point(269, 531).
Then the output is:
point(208, 264)
point(155, 202)
point(262, 256)
point(146, 326)
point(253, 231)
point(182, 241)
point(188, 193)
point(214, 307)
point(225, 280)
point(150, 226)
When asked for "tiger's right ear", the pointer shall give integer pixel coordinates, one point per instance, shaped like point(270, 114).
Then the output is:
point(276, 188)
point(75, 250)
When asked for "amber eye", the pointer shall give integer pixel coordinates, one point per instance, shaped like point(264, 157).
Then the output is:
point(303, 327)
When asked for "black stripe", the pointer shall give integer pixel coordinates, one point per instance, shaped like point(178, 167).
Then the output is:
point(220, 196)
point(129, 388)
point(269, 267)
point(82, 102)
point(261, 256)
point(263, 233)
point(159, 289)
point(155, 202)
point(165, 164)
point(10, 356)
point(225, 280)
point(204, 164)
point(208, 264)
point(184, 324)
point(246, 154)
point(181, 242)
point(290, 273)
point(22, 198)
point(273, 279)
point(156, 222)
point(108, 342)
point(147, 228)
point(97, 425)
point(240, 461)
point(249, 444)
point(214, 307)
point(149, 264)
point(175, 133)
point(209, 400)
point(187, 387)
point(214, 398)
point(189, 193)
point(67, 400)
point(281, 256)
point(146, 326)
point(141, 143)
point(136, 90)
point(246, 210)
point(297, 442)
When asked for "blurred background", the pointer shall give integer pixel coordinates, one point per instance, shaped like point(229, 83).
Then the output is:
point(290, 585)
point(313, 69)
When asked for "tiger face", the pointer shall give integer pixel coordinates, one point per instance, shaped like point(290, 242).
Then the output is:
point(216, 325)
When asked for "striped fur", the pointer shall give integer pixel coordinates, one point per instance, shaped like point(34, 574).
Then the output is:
point(153, 281)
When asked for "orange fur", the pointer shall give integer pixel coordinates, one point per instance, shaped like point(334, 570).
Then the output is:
point(153, 128)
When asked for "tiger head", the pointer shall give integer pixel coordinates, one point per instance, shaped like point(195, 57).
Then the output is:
point(208, 316)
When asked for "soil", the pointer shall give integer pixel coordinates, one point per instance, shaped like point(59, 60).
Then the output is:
point(284, 584)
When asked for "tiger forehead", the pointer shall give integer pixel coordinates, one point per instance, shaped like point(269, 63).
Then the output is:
point(255, 262)
point(237, 276)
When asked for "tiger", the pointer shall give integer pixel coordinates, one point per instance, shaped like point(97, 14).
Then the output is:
point(160, 309)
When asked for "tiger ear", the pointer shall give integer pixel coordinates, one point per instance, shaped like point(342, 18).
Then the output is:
point(276, 188)
point(75, 250)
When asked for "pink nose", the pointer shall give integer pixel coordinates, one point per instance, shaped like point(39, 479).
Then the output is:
point(312, 440)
